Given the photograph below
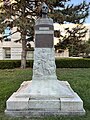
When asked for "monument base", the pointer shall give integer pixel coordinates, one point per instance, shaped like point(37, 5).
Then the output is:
point(31, 104)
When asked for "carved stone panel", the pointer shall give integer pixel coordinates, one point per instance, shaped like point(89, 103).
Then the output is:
point(44, 62)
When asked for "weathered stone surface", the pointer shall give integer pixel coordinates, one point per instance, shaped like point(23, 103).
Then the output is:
point(27, 104)
point(44, 63)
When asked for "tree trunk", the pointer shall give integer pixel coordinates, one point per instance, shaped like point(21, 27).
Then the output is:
point(24, 52)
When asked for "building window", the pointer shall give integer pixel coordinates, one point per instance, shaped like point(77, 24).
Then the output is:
point(7, 34)
point(7, 52)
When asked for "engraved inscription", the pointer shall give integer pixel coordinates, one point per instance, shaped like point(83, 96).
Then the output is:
point(44, 32)
point(43, 28)
point(46, 26)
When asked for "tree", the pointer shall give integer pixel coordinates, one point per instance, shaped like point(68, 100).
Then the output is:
point(24, 13)
point(73, 39)
point(17, 12)
point(87, 48)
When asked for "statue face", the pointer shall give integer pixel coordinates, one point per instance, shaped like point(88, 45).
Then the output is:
point(44, 8)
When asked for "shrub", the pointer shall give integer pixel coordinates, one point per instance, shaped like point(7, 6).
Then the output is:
point(60, 63)
point(6, 64)
point(10, 64)
point(72, 63)
point(29, 63)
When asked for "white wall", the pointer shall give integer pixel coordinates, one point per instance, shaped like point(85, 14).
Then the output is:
point(16, 53)
point(1, 54)
point(65, 54)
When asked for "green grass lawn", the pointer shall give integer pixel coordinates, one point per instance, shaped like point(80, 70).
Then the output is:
point(79, 80)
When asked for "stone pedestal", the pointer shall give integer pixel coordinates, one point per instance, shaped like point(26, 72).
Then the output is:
point(44, 95)
point(46, 99)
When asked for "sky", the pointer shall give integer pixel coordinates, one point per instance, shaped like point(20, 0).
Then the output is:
point(75, 2)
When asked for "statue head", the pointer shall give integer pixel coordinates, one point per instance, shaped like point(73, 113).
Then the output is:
point(44, 8)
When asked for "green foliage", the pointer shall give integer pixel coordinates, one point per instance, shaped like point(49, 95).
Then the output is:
point(6, 64)
point(88, 41)
point(29, 63)
point(73, 40)
point(11, 64)
point(60, 63)
point(72, 63)
point(69, 13)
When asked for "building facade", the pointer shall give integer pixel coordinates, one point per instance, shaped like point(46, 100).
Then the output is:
point(8, 48)
point(11, 50)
